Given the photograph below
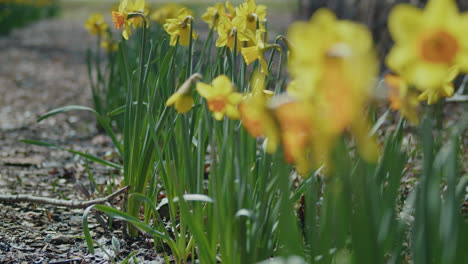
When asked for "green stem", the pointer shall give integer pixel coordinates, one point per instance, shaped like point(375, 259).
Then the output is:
point(234, 53)
point(190, 60)
point(134, 174)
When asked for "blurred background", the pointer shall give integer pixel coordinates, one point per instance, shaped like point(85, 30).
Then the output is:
point(373, 13)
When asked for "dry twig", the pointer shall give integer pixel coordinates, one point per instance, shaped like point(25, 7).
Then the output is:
point(58, 202)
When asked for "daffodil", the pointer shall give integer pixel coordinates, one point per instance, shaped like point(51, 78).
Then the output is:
point(334, 65)
point(220, 97)
point(432, 94)
point(428, 43)
point(179, 28)
point(253, 14)
point(402, 97)
point(295, 119)
point(256, 117)
point(227, 30)
point(212, 15)
point(129, 15)
point(168, 11)
point(182, 99)
point(257, 50)
point(108, 44)
point(96, 25)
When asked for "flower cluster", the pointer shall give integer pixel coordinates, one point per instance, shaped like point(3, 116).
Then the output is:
point(431, 49)
point(333, 68)
point(241, 28)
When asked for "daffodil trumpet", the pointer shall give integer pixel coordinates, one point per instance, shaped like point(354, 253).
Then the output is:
point(182, 99)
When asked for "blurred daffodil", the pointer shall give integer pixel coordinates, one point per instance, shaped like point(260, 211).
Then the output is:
point(428, 43)
point(220, 97)
point(179, 28)
point(129, 15)
point(96, 26)
point(334, 65)
point(108, 44)
point(446, 89)
point(256, 117)
point(212, 15)
point(402, 97)
point(167, 11)
point(182, 99)
point(297, 128)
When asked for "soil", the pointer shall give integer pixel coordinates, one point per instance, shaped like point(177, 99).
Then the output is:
point(42, 67)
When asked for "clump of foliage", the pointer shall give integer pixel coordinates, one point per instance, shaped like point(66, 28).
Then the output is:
point(254, 164)
point(18, 13)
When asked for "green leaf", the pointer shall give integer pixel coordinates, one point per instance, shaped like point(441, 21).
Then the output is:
point(130, 256)
point(102, 121)
point(117, 214)
point(87, 233)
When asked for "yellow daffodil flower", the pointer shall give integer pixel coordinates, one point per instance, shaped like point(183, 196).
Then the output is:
point(296, 127)
point(428, 43)
point(251, 13)
point(432, 94)
point(402, 98)
point(220, 97)
point(121, 17)
point(333, 64)
point(256, 117)
point(257, 50)
point(168, 11)
point(109, 45)
point(182, 99)
point(212, 15)
point(96, 25)
point(227, 30)
point(179, 28)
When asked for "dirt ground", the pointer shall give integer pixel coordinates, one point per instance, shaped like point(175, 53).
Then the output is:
point(42, 67)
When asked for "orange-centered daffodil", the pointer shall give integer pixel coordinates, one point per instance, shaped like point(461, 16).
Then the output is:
point(428, 43)
point(129, 15)
point(221, 98)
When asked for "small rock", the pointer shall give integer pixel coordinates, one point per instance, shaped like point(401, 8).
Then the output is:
point(61, 239)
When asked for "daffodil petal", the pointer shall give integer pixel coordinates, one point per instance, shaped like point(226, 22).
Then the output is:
point(232, 112)
point(405, 22)
point(223, 85)
point(184, 104)
point(205, 90)
point(234, 98)
point(218, 115)
point(173, 98)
